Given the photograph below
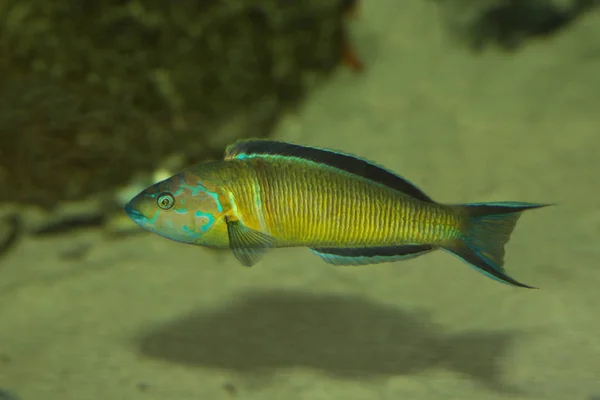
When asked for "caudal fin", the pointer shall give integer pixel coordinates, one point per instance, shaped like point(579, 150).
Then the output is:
point(487, 228)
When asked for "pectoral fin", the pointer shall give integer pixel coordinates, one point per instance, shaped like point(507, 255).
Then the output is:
point(371, 255)
point(248, 245)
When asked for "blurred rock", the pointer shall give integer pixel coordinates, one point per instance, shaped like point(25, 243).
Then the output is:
point(8, 395)
point(92, 93)
point(508, 24)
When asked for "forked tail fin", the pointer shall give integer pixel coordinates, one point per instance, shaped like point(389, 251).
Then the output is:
point(486, 229)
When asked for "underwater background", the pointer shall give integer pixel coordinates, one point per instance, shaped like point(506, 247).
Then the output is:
point(472, 100)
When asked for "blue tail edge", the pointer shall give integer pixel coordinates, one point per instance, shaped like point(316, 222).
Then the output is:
point(486, 230)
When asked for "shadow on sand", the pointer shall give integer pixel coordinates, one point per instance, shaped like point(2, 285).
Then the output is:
point(344, 336)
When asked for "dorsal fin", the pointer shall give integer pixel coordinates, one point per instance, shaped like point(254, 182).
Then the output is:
point(342, 161)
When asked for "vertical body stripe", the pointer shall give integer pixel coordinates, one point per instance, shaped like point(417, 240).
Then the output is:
point(303, 203)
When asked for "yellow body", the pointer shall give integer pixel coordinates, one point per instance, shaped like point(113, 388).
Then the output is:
point(267, 194)
point(301, 203)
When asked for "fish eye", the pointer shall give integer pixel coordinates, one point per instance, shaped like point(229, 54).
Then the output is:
point(165, 201)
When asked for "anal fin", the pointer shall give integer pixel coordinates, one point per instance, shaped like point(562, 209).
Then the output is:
point(371, 255)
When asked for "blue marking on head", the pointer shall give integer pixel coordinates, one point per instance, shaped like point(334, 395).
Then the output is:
point(216, 197)
point(197, 189)
point(191, 232)
point(152, 220)
point(210, 220)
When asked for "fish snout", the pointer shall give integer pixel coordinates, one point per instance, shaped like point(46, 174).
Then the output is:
point(133, 212)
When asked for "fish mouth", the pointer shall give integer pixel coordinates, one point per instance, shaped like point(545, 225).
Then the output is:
point(133, 213)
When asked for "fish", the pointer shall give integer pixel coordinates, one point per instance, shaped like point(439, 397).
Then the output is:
point(268, 194)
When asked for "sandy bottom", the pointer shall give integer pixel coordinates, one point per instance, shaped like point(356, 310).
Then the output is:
point(145, 318)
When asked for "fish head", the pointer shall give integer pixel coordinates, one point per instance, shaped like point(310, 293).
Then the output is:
point(183, 208)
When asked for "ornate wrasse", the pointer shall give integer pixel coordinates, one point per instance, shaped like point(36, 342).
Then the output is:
point(266, 194)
